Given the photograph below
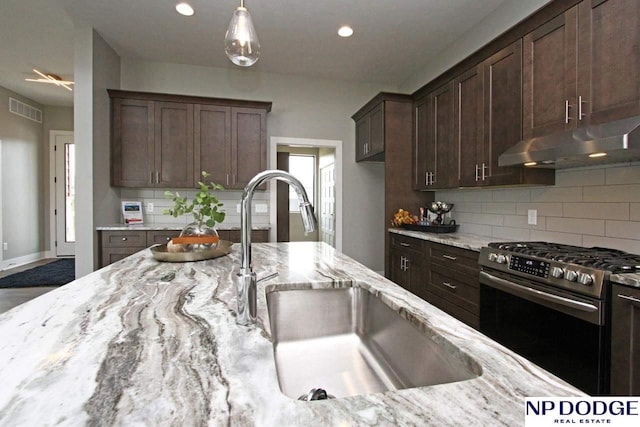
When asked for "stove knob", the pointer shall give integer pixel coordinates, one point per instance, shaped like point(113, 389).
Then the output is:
point(493, 257)
point(570, 275)
point(557, 272)
point(501, 259)
point(585, 278)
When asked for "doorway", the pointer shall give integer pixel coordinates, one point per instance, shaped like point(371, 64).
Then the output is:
point(327, 188)
point(62, 171)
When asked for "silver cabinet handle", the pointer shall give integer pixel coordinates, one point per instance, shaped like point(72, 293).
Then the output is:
point(567, 118)
point(426, 178)
point(449, 285)
point(433, 178)
point(477, 173)
point(483, 169)
point(634, 301)
point(449, 257)
point(227, 179)
point(157, 177)
point(406, 245)
point(124, 239)
point(580, 101)
point(168, 238)
point(151, 178)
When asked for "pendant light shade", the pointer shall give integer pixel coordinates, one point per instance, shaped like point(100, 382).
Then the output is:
point(241, 41)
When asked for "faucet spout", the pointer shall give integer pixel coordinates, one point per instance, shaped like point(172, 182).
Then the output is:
point(246, 283)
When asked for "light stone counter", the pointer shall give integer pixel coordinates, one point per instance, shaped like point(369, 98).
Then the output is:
point(154, 227)
point(629, 279)
point(147, 343)
point(461, 240)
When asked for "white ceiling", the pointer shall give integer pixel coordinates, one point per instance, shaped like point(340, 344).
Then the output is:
point(393, 38)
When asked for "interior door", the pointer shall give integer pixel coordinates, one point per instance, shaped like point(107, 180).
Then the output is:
point(282, 197)
point(328, 204)
point(65, 192)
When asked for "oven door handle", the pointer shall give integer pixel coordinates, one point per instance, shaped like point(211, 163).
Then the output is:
point(505, 285)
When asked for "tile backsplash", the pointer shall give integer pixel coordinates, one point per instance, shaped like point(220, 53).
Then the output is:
point(595, 206)
point(231, 200)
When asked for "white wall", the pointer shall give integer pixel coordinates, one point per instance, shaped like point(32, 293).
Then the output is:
point(22, 194)
point(97, 67)
point(302, 108)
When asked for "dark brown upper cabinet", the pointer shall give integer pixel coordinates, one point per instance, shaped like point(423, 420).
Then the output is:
point(370, 134)
point(161, 140)
point(488, 121)
point(469, 124)
point(582, 68)
point(549, 76)
point(173, 148)
point(608, 60)
point(436, 164)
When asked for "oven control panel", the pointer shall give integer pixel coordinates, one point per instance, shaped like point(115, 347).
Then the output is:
point(530, 266)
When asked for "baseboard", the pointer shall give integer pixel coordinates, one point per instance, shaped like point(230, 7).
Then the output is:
point(25, 259)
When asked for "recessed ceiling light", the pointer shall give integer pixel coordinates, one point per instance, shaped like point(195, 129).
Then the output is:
point(597, 155)
point(345, 31)
point(184, 9)
point(530, 164)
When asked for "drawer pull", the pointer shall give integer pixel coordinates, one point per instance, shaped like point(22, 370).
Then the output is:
point(449, 285)
point(124, 239)
point(449, 257)
point(632, 300)
point(406, 245)
point(168, 238)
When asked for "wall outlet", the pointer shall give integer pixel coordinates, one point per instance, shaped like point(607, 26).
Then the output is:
point(532, 217)
point(149, 207)
point(5, 246)
point(261, 208)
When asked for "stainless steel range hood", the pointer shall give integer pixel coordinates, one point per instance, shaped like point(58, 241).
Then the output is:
point(612, 142)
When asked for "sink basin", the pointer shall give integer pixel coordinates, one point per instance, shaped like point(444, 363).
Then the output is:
point(349, 342)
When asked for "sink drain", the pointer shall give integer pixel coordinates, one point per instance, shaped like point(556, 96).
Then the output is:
point(316, 394)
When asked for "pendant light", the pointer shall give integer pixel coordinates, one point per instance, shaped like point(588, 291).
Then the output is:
point(241, 41)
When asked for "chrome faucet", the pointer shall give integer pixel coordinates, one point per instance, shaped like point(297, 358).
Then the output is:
point(246, 282)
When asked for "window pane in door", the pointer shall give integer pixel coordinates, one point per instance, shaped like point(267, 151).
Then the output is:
point(303, 168)
point(69, 192)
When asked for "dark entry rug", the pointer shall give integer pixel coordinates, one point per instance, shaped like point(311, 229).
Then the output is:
point(55, 273)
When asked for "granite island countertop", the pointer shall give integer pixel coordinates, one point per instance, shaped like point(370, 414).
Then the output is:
point(149, 343)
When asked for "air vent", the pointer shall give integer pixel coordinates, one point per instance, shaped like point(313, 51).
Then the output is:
point(25, 110)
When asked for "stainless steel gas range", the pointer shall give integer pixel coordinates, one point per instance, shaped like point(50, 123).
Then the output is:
point(550, 303)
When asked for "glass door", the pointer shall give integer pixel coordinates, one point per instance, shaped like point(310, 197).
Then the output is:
point(65, 196)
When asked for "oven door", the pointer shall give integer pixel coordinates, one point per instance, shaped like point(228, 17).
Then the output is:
point(561, 332)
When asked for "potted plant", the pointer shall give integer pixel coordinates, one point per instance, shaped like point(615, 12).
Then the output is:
point(205, 208)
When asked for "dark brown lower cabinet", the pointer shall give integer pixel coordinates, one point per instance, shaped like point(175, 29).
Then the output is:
point(442, 275)
point(625, 341)
point(406, 262)
point(119, 244)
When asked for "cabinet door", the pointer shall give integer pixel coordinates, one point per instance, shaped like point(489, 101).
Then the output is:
point(397, 268)
point(363, 136)
point(424, 155)
point(248, 145)
point(440, 138)
point(376, 131)
point(502, 113)
point(469, 124)
point(212, 146)
point(609, 60)
point(549, 76)
point(132, 143)
point(625, 341)
point(174, 144)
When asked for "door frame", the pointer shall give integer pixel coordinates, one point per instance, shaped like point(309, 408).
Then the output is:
point(1, 227)
point(52, 253)
point(306, 142)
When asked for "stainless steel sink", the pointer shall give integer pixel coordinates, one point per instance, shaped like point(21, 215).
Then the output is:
point(349, 342)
